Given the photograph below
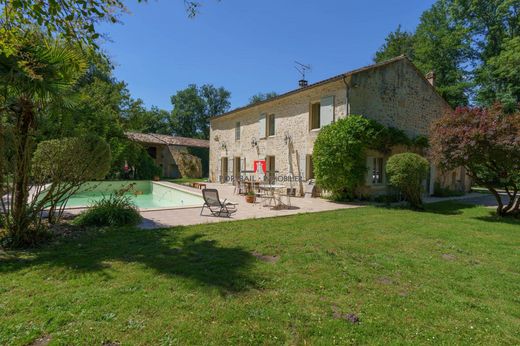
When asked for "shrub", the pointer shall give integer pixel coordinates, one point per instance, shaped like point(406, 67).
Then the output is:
point(112, 210)
point(406, 172)
point(439, 191)
point(136, 156)
point(338, 157)
point(63, 165)
point(339, 152)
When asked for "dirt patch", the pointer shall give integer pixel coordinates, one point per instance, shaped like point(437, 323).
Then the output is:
point(266, 258)
point(43, 341)
point(385, 280)
point(349, 317)
point(111, 343)
point(448, 257)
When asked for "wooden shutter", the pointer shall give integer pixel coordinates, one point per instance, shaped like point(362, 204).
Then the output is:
point(231, 162)
point(261, 126)
point(326, 110)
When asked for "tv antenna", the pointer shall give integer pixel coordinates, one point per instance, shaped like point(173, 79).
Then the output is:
point(303, 69)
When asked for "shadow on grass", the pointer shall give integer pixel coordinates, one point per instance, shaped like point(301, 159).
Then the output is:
point(168, 252)
point(443, 208)
point(492, 217)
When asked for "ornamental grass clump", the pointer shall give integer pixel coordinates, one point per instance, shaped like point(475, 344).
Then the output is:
point(112, 210)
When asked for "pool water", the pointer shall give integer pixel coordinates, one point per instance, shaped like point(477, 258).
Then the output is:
point(144, 194)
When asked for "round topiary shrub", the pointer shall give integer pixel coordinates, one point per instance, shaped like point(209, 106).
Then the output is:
point(406, 172)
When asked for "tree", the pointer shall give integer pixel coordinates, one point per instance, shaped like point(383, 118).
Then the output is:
point(486, 142)
point(407, 172)
point(396, 43)
point(61, 167)
point(471, 45)
point(260, 97)
point(194, 106)
point(138, 118)
point(75, 20)
point(442, 45)
point(39, 71)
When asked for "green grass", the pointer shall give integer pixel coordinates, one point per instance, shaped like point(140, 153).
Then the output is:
point(450, 275)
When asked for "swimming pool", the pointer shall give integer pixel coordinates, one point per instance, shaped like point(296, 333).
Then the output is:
point(144, 194)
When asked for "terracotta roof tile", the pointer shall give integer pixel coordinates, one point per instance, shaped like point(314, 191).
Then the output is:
point(154, 138)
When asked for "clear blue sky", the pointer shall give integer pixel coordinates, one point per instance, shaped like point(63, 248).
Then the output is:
point(248, 46)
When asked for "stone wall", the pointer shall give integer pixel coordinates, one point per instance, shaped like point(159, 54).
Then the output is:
point(393, 94)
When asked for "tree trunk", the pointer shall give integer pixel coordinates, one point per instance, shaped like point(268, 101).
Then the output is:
point(20, 227)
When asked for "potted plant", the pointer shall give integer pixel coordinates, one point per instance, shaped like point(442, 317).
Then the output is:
point(250, 196)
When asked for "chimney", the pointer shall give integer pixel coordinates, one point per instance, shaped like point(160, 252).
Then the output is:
point(430, 76)
point(303, 83)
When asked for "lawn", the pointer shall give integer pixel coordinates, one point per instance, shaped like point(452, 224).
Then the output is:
point(448, 275)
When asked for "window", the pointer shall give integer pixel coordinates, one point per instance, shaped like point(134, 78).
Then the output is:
point(271, 168)
point(377, 170)
point(237, 131)
point(270, 125)
point(309, 167)
point(315, 116)
point(152, 151)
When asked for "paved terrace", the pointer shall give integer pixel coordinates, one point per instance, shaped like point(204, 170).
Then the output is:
point(191, 216)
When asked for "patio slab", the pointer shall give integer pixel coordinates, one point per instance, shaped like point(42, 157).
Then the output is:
point(191, 216)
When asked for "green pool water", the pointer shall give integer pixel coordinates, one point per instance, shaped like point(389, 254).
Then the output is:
point(144, 194)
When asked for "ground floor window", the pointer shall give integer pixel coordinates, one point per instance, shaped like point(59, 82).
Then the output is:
point(377, 170)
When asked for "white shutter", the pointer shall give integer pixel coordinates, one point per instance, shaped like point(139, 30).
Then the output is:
point(303, 166)
point(370, 168)
point(231, 162)
point(326, 110)
point(261, 125)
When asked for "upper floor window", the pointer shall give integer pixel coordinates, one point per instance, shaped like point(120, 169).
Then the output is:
point(321, 113)
point(271, 129)
point(315, 116)
point(237, 130)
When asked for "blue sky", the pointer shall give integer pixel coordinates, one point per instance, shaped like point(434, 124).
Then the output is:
point(248, 46)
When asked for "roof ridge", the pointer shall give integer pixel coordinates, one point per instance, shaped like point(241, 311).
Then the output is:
point(313, 85)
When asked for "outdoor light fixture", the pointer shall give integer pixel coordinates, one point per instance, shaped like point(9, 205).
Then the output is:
point(223, 146)
point(287, 138)
point(254, 142)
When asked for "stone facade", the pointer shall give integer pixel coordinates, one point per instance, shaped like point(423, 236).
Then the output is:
point(393, 93)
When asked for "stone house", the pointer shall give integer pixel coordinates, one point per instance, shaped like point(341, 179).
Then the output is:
point(167, 150)
point(282, 130)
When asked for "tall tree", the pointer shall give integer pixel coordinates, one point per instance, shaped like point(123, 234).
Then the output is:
point(397, 43)
point(442, 45)
point(73, 19)
point(472, 45)
point(494, 27)
point(260, 97)
point(194, 106)
point(39, 71)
